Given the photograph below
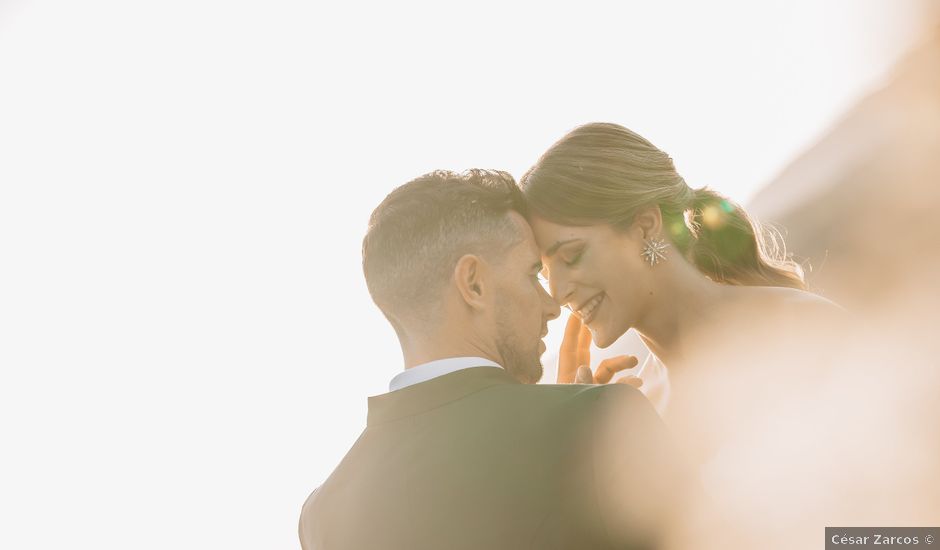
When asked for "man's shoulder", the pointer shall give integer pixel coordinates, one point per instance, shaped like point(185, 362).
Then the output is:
point(304, 530)
point(606, 408)
point(587, 392)
point(615, 399)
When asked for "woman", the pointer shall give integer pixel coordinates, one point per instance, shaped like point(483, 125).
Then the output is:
point(628, 244)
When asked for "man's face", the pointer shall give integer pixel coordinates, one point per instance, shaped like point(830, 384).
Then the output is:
point(523, 308)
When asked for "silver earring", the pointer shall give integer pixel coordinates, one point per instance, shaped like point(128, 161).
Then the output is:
point(654, 250)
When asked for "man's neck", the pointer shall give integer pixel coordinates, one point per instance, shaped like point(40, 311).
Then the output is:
point(433, 351)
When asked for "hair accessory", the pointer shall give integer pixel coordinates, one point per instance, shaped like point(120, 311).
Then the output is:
point(654, 250)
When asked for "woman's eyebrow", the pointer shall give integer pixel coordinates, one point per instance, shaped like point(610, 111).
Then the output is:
point(554, 248)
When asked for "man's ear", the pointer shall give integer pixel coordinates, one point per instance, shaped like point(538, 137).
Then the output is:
point(469, 276)
point(648, 222)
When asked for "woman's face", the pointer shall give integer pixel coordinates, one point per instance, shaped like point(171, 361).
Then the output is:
point(597, 272)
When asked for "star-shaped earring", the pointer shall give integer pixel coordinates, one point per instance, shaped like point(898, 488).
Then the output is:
point(654, 250)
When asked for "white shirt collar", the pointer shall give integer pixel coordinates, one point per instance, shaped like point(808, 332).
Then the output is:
point(433, 369)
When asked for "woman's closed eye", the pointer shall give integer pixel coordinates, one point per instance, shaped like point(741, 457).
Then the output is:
point(574, 259)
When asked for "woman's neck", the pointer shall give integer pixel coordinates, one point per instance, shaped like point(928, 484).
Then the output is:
point(683, 300)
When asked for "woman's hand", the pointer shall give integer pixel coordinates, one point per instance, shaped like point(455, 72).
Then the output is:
point(574, 359)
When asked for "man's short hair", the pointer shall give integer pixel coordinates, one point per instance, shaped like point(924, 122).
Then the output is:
point(417, 234)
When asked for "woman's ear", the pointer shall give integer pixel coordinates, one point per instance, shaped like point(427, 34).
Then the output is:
point(469, 278)
point(648, 222)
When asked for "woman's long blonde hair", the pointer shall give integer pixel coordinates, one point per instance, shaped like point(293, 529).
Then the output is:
point(604, 173)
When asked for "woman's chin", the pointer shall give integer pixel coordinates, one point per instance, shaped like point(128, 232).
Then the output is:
point(604, 336)
point(602, 339)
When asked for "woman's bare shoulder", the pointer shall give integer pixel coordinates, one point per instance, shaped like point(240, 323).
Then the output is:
point(795, 301)
point(778, 318)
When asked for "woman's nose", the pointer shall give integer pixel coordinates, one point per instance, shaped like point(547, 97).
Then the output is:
point(553, 311)
point(560, 289)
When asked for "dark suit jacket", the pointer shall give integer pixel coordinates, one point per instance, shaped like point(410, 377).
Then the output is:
point(476, 460)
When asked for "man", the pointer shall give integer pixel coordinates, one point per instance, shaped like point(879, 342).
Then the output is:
point(465, 451)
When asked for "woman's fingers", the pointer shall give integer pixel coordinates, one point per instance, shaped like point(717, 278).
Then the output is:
point(584, 345)
point(574, 359)
point(584, 375)
point(568, 353)
point(613, 365)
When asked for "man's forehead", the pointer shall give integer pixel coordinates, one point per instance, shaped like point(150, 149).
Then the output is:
point(527, 243)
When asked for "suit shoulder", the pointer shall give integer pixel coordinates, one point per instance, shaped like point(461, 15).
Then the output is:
point(304, 529)
point(308, 503)
point(592, 391)
point(617, 396)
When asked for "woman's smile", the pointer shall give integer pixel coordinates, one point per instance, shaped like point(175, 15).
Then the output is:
point(588, 311)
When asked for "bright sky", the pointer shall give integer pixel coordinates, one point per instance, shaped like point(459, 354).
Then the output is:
point(186, 342)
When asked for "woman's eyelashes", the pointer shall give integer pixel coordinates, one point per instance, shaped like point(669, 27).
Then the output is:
point(574, 259)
